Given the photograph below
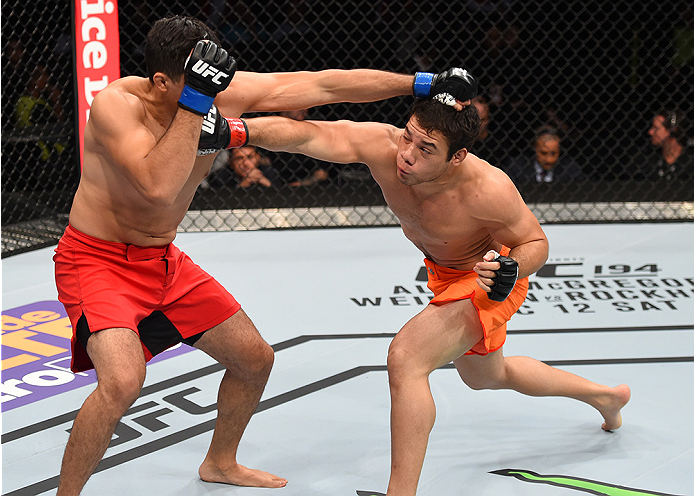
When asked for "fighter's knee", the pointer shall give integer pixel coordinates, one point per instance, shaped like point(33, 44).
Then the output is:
point(260, 360)
point(400, 363)
point(266, 358)
point(397, 356)
point(121, 392)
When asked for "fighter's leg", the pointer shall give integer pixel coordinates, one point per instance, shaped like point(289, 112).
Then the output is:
point(120, 368)
point(236, 344)
point(429, 340)
point(534, 378)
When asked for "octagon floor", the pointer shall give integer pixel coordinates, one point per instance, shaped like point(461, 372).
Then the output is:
point(614, 304)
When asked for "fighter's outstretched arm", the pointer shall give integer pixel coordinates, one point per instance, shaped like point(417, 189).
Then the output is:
point(273, 92)
point(331, 141)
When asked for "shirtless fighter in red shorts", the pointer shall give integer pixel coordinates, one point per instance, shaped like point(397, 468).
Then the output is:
point(460, 212)
point(129, 292)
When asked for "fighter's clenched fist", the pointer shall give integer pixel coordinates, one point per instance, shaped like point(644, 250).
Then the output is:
point(208, 71)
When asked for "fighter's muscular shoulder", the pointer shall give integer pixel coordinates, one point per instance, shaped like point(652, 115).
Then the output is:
point(371, 143)
point(379, 148)
point(495, 196)
point(118, 100)
point(117, 114)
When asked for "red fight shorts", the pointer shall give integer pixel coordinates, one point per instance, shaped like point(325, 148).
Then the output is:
point(452, 285)
point(158, 292)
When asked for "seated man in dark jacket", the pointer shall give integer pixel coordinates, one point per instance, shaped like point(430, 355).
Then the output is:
point(547, 164)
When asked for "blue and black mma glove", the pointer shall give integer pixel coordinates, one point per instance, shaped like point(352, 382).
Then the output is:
point(220, 133)
point(505, 278)
point(457, 82)
point(208, 71)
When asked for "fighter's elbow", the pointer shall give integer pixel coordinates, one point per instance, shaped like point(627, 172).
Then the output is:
point(544, 242)
point(159, 196)
point(543, 250)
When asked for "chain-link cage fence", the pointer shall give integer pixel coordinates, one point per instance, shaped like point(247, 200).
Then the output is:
point(39, 171)
point(586, 79)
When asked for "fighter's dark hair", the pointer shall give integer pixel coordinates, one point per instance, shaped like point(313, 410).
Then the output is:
point(169, 43)
point(460, 128)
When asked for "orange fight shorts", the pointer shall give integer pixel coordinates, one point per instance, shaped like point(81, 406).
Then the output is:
point(158, 292)
point(452, 285)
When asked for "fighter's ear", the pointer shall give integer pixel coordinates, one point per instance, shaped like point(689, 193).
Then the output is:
point(162, 81)
point(459, 156)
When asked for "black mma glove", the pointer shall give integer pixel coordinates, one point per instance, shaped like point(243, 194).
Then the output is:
point(505, 278)
point(219, 132)
point(457, 82)
point(208, 71)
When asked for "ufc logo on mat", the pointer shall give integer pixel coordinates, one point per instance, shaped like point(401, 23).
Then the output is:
point(205, 70)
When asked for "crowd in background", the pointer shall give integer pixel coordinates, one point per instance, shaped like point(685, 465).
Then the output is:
point(570, 91)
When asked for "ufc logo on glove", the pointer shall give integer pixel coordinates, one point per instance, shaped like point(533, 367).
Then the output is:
point(206, 70)
point(210, 120)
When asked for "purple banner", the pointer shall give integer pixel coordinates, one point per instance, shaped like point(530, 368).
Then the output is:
point(36, 354)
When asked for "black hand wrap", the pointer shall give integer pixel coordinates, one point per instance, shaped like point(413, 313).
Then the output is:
point(219, 133)
point(505, 278)
point(208, 71)
point(457, 82)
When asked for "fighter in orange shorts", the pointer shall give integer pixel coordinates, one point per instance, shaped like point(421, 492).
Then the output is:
point(450, 285)
point(460, 212)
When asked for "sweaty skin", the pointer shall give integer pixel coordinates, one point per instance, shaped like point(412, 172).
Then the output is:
point(140, 169)
point(138, 179)
point(140, 173)
point(454, 212)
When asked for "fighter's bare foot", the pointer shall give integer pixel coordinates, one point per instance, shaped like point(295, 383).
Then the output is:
point(612, 408)
point(240, 476)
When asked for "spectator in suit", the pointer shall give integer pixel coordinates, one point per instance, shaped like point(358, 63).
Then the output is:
point(547, 163)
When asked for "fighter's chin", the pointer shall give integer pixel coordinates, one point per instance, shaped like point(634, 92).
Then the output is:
point(404, 177)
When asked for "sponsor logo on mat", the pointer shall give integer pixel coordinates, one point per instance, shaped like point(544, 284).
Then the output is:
point(36, 354)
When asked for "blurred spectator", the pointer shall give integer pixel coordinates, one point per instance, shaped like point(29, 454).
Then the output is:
point(416, 27)
point(41, 101)
point(507, 86)
point(484, 147)
point(245, 167)
point(683, 63)
point(547, 164)
point(298, 170)
point(14, 78)
point(14, 51)
point(483, 110)
point(670, 134)
point(40, 110)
